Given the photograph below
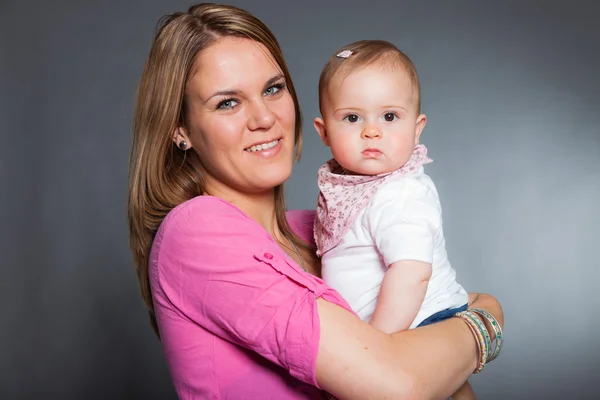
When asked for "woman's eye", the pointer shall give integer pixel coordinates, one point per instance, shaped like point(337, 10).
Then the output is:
point(274, 89)
point(227, 104)
point(352, 118)
point(390, 117)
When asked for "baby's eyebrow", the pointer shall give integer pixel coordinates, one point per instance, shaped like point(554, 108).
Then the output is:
point(347, 109)
point(392, 106)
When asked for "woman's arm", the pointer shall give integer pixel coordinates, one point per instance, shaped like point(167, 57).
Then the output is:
point(357, 361)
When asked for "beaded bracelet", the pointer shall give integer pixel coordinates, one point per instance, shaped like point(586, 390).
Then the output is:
point(497, 330)
point(470, 319)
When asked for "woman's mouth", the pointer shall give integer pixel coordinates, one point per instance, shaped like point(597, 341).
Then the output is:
point(263, 146)
point(266, 150)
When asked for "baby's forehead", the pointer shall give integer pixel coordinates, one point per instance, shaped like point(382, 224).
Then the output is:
point(391, 81)
point(389, 65)
point(396, 73)
point(390, 68)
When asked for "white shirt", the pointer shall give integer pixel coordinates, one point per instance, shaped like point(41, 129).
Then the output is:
point(403, 221)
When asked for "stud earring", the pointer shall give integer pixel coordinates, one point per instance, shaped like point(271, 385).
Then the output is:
point(183, 145)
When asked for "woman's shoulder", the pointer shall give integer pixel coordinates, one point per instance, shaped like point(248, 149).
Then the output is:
point(210, 215)
point(302, 222)
point(202, 219)
point(205, 206)
point(203, 212)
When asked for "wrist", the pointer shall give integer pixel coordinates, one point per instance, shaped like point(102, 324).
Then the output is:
point(487, 333)
point(488, 303)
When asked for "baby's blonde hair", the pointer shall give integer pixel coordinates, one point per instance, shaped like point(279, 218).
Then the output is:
point(366, 53)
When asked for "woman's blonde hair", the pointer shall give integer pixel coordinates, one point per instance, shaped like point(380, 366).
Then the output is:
point(162, 176)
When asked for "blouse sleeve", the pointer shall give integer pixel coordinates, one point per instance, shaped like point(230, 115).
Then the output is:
point(404, 219)
point(222, 270)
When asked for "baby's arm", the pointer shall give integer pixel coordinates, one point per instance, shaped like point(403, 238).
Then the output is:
point(401, 295)
point(404, 219)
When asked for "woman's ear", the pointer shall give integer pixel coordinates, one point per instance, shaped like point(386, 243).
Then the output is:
point(181, 139)
point(320, 127)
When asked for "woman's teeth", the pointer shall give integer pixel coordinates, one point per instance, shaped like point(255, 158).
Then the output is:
point(263, 146)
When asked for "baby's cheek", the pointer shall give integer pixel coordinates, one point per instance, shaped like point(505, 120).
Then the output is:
point(404, 142)
point(401, 151)
point(343, 152)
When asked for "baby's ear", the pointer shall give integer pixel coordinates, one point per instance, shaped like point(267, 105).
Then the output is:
point(419, 126)
point(320, 127)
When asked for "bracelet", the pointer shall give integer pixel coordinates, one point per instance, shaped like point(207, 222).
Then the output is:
point(484, 333)
point(497, 330)
point(467, 316)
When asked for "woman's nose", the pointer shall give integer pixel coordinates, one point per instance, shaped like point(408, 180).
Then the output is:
point(261, 116)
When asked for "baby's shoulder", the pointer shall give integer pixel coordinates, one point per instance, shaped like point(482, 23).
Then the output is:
point(407, 186)
point(405, 198)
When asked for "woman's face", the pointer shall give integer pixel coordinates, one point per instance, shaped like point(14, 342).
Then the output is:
point(240, 118)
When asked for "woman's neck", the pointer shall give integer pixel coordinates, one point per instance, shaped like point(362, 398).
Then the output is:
point(261, 208)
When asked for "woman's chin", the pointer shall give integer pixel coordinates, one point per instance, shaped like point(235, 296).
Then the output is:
point(270, 178)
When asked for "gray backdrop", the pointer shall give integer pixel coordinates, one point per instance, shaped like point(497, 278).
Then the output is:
point(512, 95)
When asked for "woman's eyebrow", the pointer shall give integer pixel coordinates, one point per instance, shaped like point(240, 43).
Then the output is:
point(232, 92)
point(228, 92)
point(274, 79)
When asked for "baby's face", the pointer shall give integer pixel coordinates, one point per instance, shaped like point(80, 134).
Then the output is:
point(370, 120)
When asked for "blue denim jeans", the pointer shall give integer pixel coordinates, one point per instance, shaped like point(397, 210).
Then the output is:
point(442, 315)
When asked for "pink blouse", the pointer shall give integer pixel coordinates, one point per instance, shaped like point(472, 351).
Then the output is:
point(237, 317)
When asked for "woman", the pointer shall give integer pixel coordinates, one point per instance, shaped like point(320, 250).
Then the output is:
point(231, 280)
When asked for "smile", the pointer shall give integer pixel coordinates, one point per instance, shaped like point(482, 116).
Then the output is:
point(263, 146)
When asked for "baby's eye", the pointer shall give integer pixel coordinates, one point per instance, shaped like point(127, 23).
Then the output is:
point(390, 117)
point(352, 118)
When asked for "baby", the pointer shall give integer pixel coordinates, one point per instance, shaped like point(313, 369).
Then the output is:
point(379, 221)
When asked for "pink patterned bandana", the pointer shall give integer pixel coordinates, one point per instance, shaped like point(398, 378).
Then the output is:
point(344, 197)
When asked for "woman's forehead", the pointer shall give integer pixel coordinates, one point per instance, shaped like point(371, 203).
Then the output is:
point(233, 64)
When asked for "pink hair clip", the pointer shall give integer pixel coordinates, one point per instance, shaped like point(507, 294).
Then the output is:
point(345, 54)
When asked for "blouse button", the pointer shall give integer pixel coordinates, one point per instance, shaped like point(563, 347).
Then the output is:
point(268, 256)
